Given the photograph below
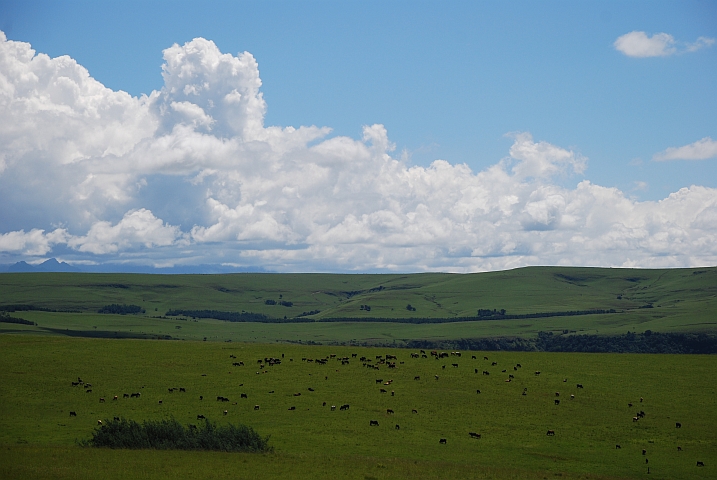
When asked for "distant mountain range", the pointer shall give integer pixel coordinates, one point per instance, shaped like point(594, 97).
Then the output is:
point(52, 265)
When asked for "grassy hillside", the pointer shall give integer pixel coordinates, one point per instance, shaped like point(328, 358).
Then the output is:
point(38, 435)
point(674, 300)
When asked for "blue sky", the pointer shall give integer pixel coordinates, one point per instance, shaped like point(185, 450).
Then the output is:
point(452, 81)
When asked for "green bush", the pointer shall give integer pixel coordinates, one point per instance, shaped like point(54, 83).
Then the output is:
point(169, 434)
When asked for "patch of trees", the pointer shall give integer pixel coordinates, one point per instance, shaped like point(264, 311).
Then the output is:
point(647, 342)
point(5, 318)
point(23, 308)
point(306, 314)
point(410, 308)
point(366, 308)
point(280, 302)
point(169, 434)
point(486, 313)
point(121, 309)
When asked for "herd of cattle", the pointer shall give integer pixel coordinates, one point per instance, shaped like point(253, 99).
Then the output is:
point(388, 361)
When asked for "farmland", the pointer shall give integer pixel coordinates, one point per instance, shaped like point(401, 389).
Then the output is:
point(319, 327)
point(313, 440)
point(678, 300)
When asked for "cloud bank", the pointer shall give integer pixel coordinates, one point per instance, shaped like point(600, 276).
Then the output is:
point(191, 175)
point(640, 45)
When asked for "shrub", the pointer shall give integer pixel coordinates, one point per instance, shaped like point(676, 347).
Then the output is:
point(169, 434)
point(121, 309)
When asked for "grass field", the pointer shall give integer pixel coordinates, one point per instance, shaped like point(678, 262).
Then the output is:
point(38, 437)
point(682, 300)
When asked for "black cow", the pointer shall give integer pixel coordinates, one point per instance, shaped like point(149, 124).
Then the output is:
point(455, 365)
point(474, 434)
point(135, 395)
point(373, 423)
point(617, 446)
point(116, 419)
point(477, 391)
point(256, 407)
point(398, 427)
point(700, 464)
point(679, 448)
point(182, 389)
point(417, 377)
point(442, 440)
point(344, 407)
point(243, 395)
point(557, 402)
point(125, 395)
point(201, 417)
point(73, 414)
point(678, 425)
point(644, 452)
point(389, 411)
point(580, 385)
point(414, 411)
point(551, 433)
point(292, 408)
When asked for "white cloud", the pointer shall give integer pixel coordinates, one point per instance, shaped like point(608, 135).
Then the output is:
point(190, 174)
point(699, 150)
point(640, 45)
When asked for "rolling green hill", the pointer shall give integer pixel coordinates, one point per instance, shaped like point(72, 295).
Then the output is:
point(337, 307)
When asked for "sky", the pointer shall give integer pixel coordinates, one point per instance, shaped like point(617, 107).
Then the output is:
point(359, 136)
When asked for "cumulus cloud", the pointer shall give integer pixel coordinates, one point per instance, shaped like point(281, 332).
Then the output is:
point(641, 45)
point(190, 174)
point(699, 150)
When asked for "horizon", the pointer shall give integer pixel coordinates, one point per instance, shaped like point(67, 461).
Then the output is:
point(358, 138)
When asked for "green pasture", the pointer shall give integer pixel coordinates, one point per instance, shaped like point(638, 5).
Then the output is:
point(38, 437)
point(681, 300)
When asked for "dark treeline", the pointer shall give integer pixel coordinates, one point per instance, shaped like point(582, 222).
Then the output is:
point(5, 318)
point(261, 318)
point(169, 434)
point(121, 309)
point(648, 342)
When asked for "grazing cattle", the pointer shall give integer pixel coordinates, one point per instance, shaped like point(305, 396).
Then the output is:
point(383, 390)
point(679, 448)
point(417, 377)
point(617, 446)
point(99, 422)
point(486, 372)
point(256, 407)
point(515, 368)
point(297, 394)
point(635, 419)
point(700, 464)
point(373, 423)
point(572, 397)
point(115, 397)
point(182, 389)
point(475, 370)
point(116, 419)
point(201, 397)
point(160, 402)
point(477, 391)
point(455, 365)
point(640, 397)
point(644, 452)
point(524, 393)
point(494, 364)
point(389, 411)
point(135, 395)
point(436, 377)
point(557, 402)
point(379, 380)
point(678, 425)
point(474, 434)
point(485, 358)
point(125, 395)
point(311, 389)
point(243, 395)
point(551, 433)
point(537, 373)
point(473, 357)
point(580, 385)
point(344, 407)
point(393, 392)
point(201, 417)
point(292, 408)
point(442, 441)
point(102, 399)
point(88, 391)
point(414, 411)
point(519, 365)
point(629, 405)
point(73, 414)
point(225, 412)
point(324, 404)
point(557, 394)
point(74, 384)
point(444, 367)
point(333, 407)
point(398, 427)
